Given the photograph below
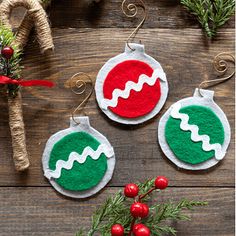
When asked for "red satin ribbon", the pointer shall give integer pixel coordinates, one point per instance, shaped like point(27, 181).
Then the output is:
point(26, 83)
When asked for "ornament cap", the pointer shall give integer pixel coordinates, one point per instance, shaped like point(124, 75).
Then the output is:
point(204, 93)
point(82, 120)
point(137, 48)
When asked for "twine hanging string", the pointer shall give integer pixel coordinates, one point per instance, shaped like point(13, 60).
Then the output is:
point(131, 11)
point(79, 86)
point(43, 33)
point(221, 65)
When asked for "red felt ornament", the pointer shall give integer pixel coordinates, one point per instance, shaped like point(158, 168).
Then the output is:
point(117, 230)
point(131, 88)
point(161, 182)
point(141, 230)
point(7, 52)
point(131, 190)
point(138, 103)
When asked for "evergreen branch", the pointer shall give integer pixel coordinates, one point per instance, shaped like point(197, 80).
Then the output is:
point(211, 14)
point(6, 39)
point(80, 233)
point(116, 210)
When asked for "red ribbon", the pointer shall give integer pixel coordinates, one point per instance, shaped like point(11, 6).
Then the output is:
point(26, 83)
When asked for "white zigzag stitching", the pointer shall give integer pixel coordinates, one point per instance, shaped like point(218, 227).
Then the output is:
point(130, 85)
point(205, 139)
point(74, 156)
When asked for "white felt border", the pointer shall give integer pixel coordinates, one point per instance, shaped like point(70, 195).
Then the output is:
point(207, 101)
point(83, 126)
point(138, 54)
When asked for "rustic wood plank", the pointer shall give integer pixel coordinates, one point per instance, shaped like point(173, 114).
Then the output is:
point(77, 14)
point(161, 14)
point(186, 59)
point(40, 211)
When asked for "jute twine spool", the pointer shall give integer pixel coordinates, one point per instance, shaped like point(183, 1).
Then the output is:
point(35, 16)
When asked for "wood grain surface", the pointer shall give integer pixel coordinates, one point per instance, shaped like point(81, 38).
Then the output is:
point(85, 38)
point(41, 211)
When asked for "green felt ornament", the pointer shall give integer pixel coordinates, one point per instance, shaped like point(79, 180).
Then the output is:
point(194, 133)
point(207, 122)
point(78, 161)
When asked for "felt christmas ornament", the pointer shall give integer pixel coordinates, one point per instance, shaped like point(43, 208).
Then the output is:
point(78, 161)
point(11, 46)
point(194, 133)
point(131, 88)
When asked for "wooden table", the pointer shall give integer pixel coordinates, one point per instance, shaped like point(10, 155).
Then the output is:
point(85, 38)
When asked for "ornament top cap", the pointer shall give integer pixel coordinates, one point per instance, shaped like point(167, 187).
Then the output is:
point(138, 48)
point(82, 120)
point(209, 94)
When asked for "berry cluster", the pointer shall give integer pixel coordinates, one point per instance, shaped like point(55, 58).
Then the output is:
point(138, 209)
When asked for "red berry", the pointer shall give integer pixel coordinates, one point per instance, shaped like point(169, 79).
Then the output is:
point(141, 230)
point(136, 209)
point(136, 227)
point(145, 210)
point(7, 52)
point(139, 209)
point(117, 230)
point(131, 190)
point(161, 182)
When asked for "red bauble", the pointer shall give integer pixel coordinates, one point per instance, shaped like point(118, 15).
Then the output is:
point(139, 209)
point(161, 182)
point(117, 230)
point(145, 210)
point(7, 52)
point(141, 230)
point(131, 190)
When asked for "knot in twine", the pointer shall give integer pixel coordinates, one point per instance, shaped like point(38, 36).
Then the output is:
point(35, 15)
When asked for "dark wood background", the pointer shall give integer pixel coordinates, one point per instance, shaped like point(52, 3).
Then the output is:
point(85, 38)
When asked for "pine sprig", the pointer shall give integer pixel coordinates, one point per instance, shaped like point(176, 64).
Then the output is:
point(10, 67)
point(211, 14)
point(116, 210)
point(6, 39)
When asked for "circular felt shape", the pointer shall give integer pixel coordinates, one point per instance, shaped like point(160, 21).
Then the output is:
point(82, 176)
point(138, 103)
point(131, 87)
point(208, 123)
